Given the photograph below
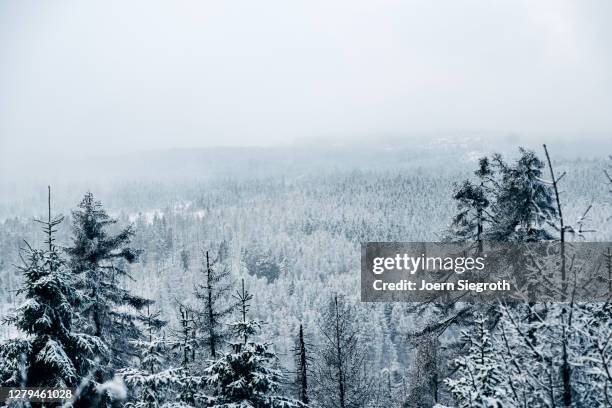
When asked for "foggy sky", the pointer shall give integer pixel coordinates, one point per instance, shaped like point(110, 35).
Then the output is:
point(131, 75)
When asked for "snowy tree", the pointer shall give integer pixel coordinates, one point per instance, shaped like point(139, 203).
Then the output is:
point(52, 353)
point(473, 201)
point(185, 336)
point(537, 325)
point(184, 344)
point(531, 354)
point(302, 364)
point(213, 308)
point(468, 224)
point(13, 362)
point(595, 355)
point(478, 382)
point(523, 205)
point(246, 376)
point(152, 383)
point(341, 373)
point(262, 264)
point(98, 257)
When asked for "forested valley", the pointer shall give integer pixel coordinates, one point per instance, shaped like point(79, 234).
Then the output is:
point(242, 289)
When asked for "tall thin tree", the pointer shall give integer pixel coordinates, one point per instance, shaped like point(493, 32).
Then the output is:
point(214, 307)
point(302, 360)
point(342, 381)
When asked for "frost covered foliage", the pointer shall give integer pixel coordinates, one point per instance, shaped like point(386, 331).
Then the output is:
point(478, 381)
point(508, 202)
point(555, 354)
point(151, 383)
point(13, 354)
point(212, 307)
point(303, 361)
point(295, 236)
point(154, 382)
point(52, 353)
point(543, 354)
point(341, 374)
point(523, 203)
point(246, 376)
point(537, 355)
point(98, 257)
point(473, 202)
point(596, 362)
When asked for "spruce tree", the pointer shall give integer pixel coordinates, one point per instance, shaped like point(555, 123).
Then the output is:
point(52, 353)
point(212, 308)
point(153, 382)
point(302, 363)
point(473, 201)
point(524, 205)
point(247, 375)
point(341, 376)
point(185, 337)
point(185, 341)
point(478, 382)
point(98, 257)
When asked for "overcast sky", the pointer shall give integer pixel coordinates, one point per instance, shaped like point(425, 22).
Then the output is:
point(101, 75)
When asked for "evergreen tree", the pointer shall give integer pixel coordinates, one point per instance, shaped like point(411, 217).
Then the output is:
point(246, 376)
point(524, 203)
point(152, 384)
point(185, 337)
point(302, 361)
point(478, 382)
point(213, 310)
point(52, 354)
point(189, 379)
point(473, 201)
point(98, 257)
point(341, 376)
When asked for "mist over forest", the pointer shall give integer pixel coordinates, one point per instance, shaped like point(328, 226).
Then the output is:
point(186, 189)
point(288, 222)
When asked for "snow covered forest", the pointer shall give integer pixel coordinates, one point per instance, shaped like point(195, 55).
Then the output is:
point(230, 278)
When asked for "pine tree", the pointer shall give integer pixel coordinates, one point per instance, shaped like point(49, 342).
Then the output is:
point(478, 383)
point(246, 376)
point(468, 224)
point(98, 257)
point(213, 310)
point(52, 354)
point(185, 337)
point(473, 202)
point(524, 204)
point(302, 360)
point(153, 382)
point(341, 376)
point(184, 346)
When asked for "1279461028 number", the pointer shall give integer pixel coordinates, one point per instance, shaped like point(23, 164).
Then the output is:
point(35, 394)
